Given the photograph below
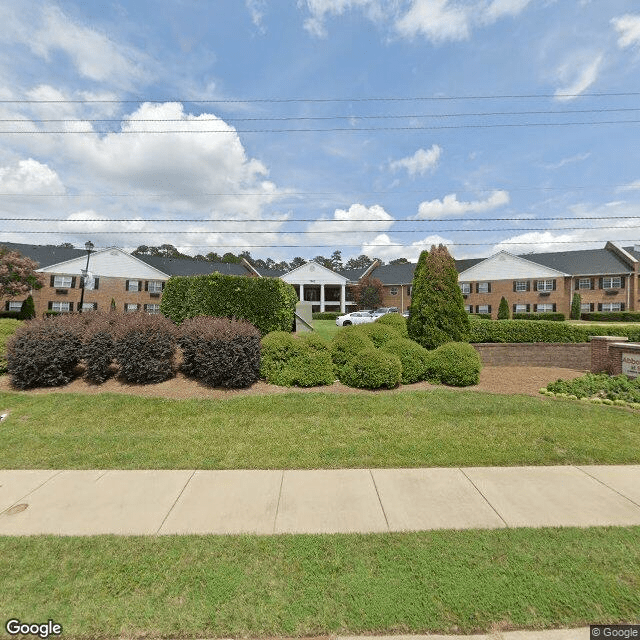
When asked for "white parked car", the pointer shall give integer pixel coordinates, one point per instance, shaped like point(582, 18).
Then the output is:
point(381, 311)
point(357, 317)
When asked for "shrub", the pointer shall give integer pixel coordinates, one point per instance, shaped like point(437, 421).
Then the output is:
point(28, 309)
point(378, 333)
point(346, 344)
point(145, 347)
point(548, 316)
point(303, 361)
point(437, 306)
point(220, 352)
point(396, 321)
point(326, 315)
point(372, 369)
point(455, 363)
point(413, 357)
point(503, 309)
point(576, 305)
point(43, 353)
point(267, 303)
point(612, 316)
point(98, 353)
point(15, 315)
point(618, 389)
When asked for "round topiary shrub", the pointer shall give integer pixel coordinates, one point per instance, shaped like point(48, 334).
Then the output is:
point(455, 363)
point(145, 347)
point(278, 348)
point(414, 358)
point(346, 344)
point(396, 321)
point(379, 334)
point(43, 353)
point(372, 369)
point(220, 352)
point(309, 369)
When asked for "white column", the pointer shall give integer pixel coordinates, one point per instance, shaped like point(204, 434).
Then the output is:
point(321, 298)
point(343, 289)
point(301, 293)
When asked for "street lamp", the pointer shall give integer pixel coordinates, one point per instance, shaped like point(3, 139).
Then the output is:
point(89, 247)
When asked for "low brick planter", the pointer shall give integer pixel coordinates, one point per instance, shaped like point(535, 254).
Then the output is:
point(536, 354)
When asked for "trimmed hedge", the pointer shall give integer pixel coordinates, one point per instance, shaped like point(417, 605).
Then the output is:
point(611, 316)
point(543, 331)
point(413, 357)
point(15, 315)
point(372, 369)
point(267, 303)
point(395, 321)
point(550, 316)
point(346, 344)
point(220, 352)
point(43, 353)
point(288, 360)
point(456, 363)
point(326, 315)
point(378, 333)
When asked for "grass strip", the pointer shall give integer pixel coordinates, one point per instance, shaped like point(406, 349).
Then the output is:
point(222, 586)
point(438, 428)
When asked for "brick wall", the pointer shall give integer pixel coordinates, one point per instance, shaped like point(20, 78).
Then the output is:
point(616, 352)
point(536, 354)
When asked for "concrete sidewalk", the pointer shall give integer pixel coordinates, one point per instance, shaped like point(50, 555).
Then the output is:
point(317, 501)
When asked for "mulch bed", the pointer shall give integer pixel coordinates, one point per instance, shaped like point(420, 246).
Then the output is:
point(506, 380)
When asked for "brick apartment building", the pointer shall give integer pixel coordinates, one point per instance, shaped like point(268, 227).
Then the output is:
point(607, 279)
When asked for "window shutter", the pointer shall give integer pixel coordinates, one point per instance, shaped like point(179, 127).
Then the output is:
point(514, 306)
point(163, 286)
point(528, 285)
point(536, 285)
point(95, 284)
point(6, 306)
point(477, 309)
point(622, 306)
point(126, 285)
point(477, 289)
point(592, 285)
point(554, 307)
point(554, 285)
point(600, 284)
point(489, 308)
point(50, 305)
point(514, 285)
point(528, 308)
point(591, 306)
point(139, 285)
point(73, 282)
point(52, 281)
point(71, 306)
point(489, 290)
point(599, 306)
point(81, 282)
point(95, 306)
point(146, 285)
point(145, 307)
point(622, 282)
point(138, 307)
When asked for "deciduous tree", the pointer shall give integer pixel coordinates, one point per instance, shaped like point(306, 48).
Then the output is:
point(17, 274)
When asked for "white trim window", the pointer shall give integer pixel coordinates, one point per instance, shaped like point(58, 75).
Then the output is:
point(89, 306)
point(521, 285)
point(544, 285)
point(14, 305)
point(585, 307)
point(584, 283)
point(612, 306)
point(483, 308)
point(153, 309)
point(61, 307)
point(133, 285)
point(130, 307)
point(155, 286)
point(612, 282)
point(483, 287)
point(468, 308)
point(544, 308)
point(62, 282)
point(520, 308)
point(465, 287)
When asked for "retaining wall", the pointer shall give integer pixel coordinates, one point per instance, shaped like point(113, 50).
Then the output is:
point(536, 354)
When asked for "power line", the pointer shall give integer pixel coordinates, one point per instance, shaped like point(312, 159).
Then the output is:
point(329, 129)
point(338, 117)
point(326, 100)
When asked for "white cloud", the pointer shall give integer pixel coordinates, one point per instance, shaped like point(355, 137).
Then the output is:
point(437, 20)
point(628, 26)
point(47, 29)
point(420, 162)
point(451, 206)
point(632, 186)
point(577, 76)
point(385, 248)
point(580, 157)
point(500, 8)
point(29, 177)
point(257, 10)
point(320, 9)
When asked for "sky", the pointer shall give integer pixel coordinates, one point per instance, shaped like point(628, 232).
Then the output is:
point(297, 128)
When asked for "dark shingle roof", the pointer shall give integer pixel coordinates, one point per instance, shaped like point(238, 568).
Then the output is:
point(634, 251)
point(186, 267)
point(582, 262)
point(395, 273)
point(45, 255)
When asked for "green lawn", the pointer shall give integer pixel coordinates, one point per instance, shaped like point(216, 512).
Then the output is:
point(251, 586)
point(326, 328)
point(439, 427)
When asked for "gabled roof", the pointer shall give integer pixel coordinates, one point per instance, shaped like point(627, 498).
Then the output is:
point(395, 273)
point(192, 267)
point(45, 255)
point(582, 262)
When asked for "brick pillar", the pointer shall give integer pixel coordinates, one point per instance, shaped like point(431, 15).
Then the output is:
point(600, 352)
